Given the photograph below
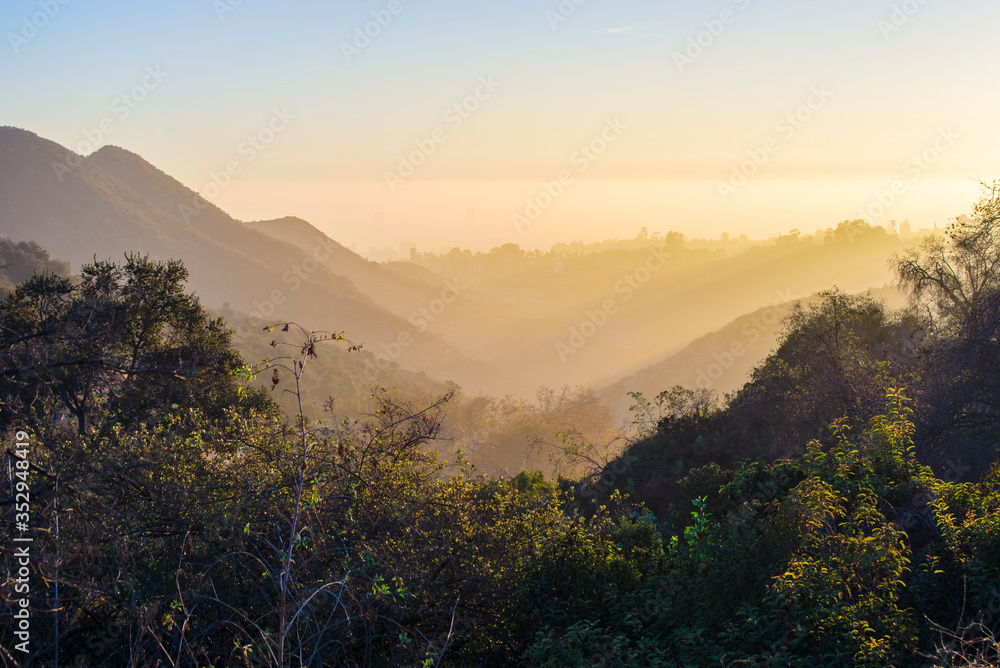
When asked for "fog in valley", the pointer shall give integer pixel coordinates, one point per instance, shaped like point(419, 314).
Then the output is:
point(555, 339)
point(560, 333)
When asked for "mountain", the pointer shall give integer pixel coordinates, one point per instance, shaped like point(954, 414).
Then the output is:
point(507, 321)
point(496, 330)
point(720, 361)
point(723, 360)
point(590, 318)
point(114, 202)
point(394, 291)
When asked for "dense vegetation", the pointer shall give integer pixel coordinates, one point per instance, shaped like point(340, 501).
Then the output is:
point(19, 261)
point(842, 509)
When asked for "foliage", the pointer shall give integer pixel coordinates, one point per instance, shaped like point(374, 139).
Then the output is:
point(835, 361)
point(824, 561)
point(182, 518)
point(956, 279)
point(953, 273)
point(121, 346)
point(21, 260)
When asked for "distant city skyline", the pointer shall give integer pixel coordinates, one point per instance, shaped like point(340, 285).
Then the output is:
point(474, 123)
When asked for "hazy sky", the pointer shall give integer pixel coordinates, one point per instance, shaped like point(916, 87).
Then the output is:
point(830, 102)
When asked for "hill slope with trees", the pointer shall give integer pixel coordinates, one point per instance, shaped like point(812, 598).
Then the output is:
point(114, 202)
point(841, 509)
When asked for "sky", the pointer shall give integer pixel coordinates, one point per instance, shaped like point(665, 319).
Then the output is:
point(476, 123)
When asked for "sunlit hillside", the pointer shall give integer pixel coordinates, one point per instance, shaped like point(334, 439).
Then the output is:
point(483, 334)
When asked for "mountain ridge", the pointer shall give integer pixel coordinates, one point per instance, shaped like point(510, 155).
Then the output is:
point(115, 202)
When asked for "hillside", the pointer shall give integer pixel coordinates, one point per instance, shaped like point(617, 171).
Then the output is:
point(507, 321)
point(722, 360)
point(460, 310)
point(590, 319)
point(114, 202)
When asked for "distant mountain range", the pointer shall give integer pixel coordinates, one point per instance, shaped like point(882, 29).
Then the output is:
point(113, 202)
point(506, 325)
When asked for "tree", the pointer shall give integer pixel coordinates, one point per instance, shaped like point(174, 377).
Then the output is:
point(853, 231)
point(125, 341)
point(124, 386)
point(19, 260)
point(953, 273)
point(957, 279)
point(835, 360)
